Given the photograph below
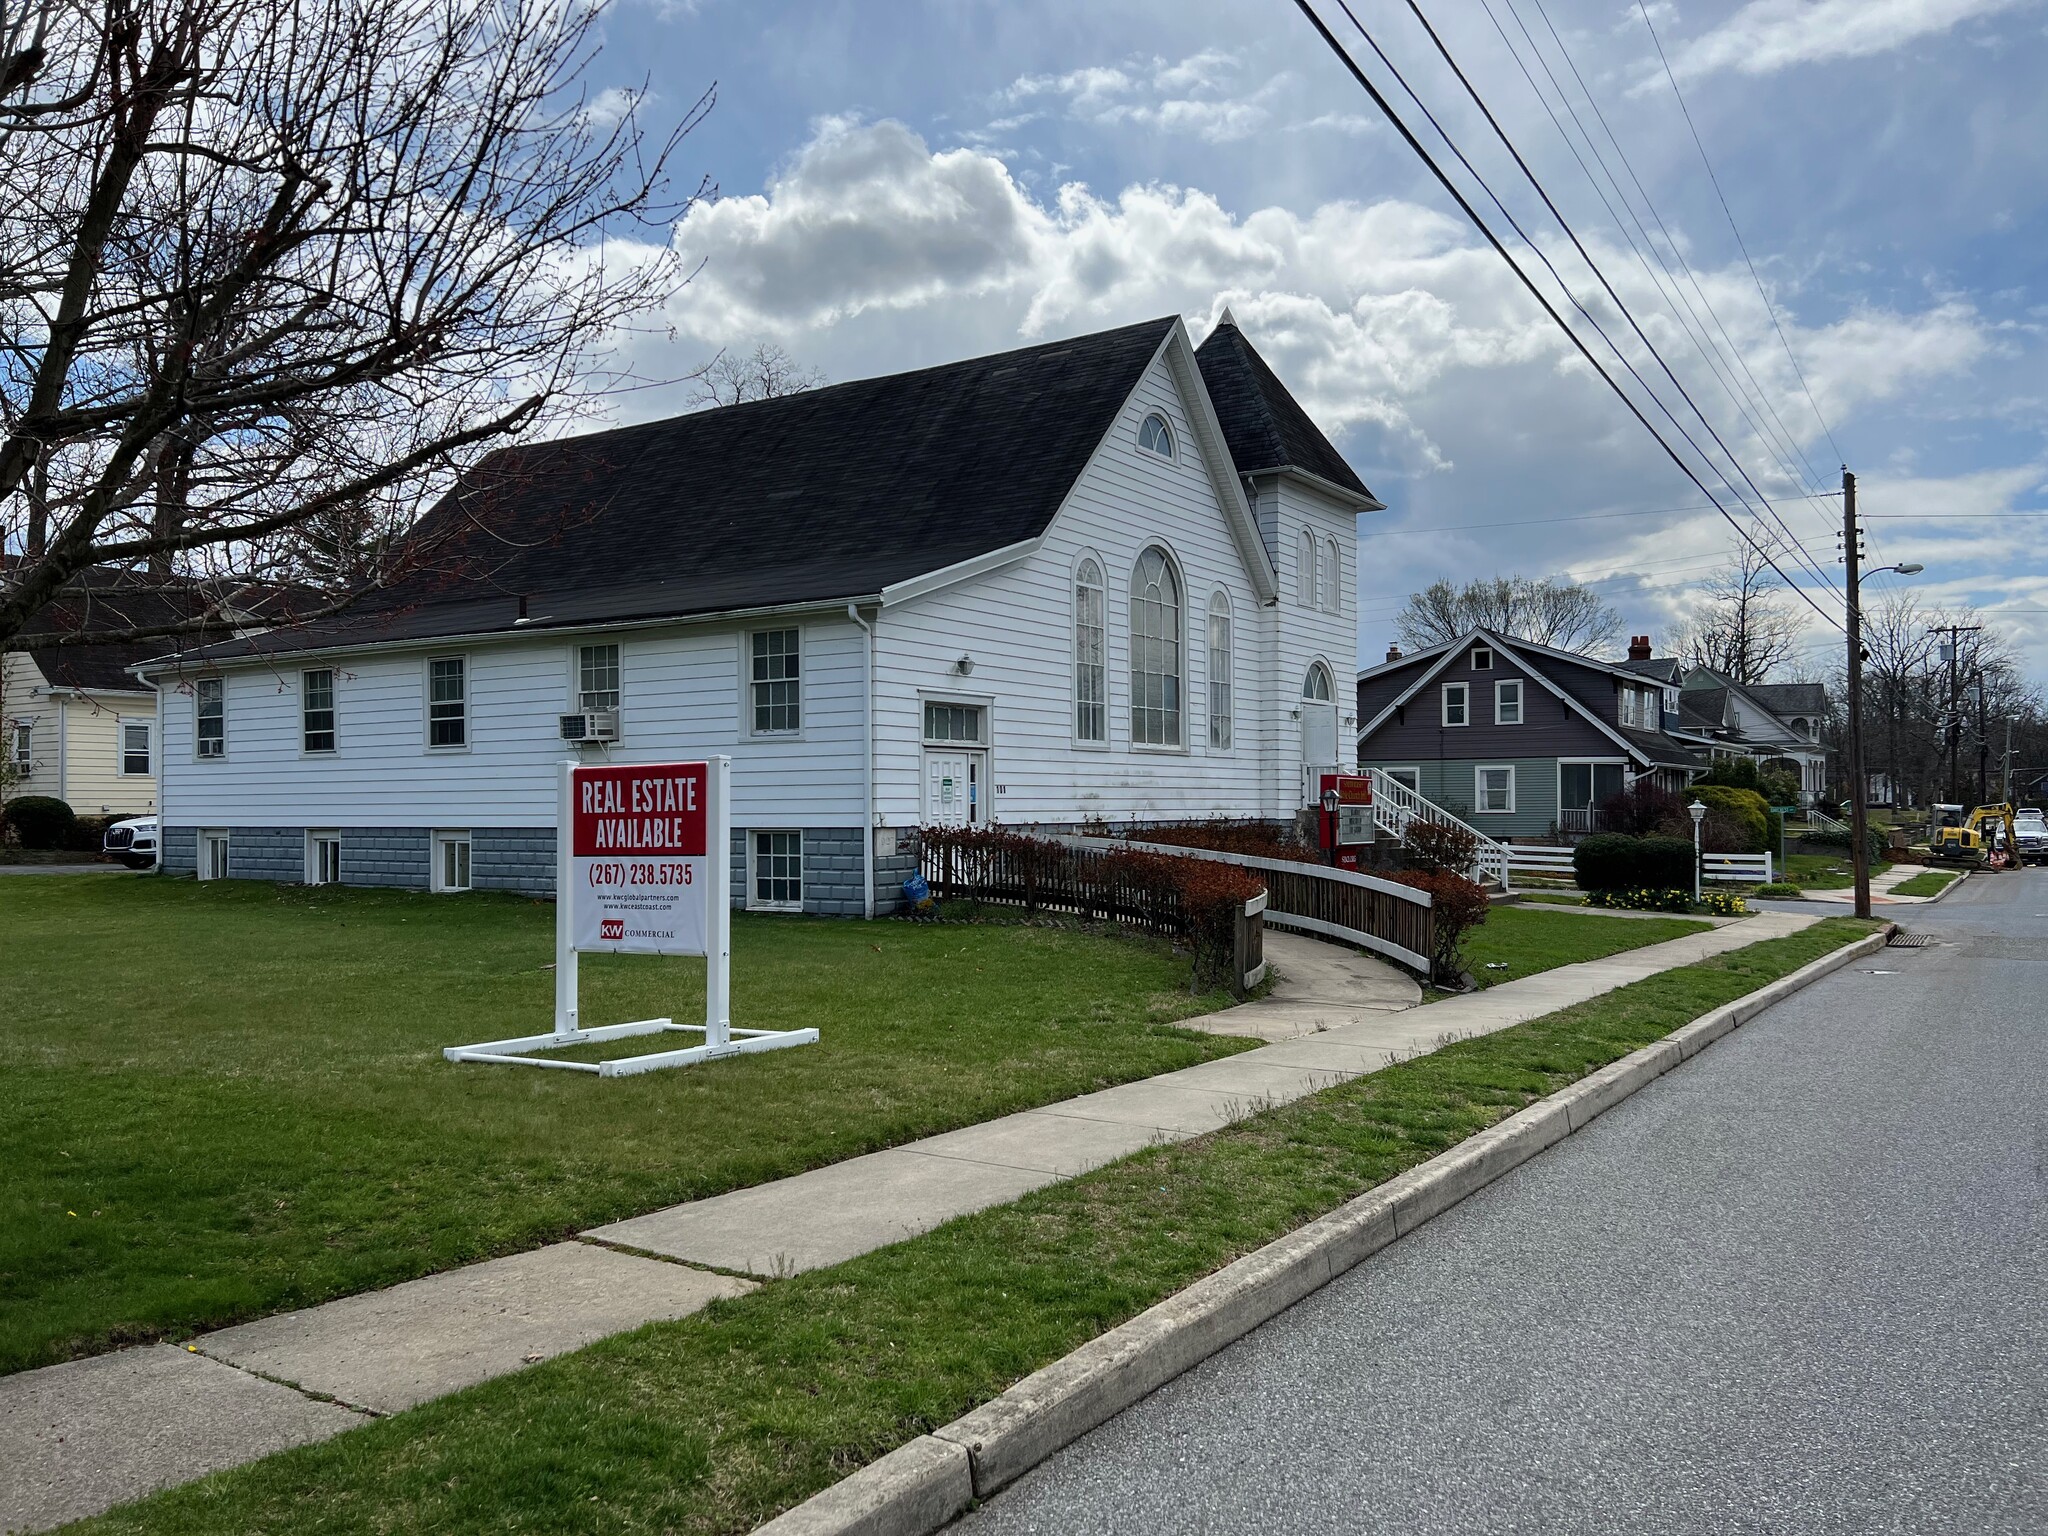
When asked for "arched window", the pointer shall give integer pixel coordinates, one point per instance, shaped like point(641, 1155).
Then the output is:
point(1220, 669)
point(1091, 659)
point(1330, 581)
point(1316, 686)
point(1305, 570)
point(1155, 436)
point(1155, 652)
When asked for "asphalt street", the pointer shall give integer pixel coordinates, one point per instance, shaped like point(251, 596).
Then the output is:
point(1800, 1284)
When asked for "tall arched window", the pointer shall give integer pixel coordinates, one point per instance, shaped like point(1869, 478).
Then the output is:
point(1330, 581)
point(1155, 652)
point(1091, 658)
point(1220, 669)
point(1316, 686)
point(1305, 570)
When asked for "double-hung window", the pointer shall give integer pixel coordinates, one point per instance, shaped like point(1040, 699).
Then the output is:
point(135, 746)
point(597, 677)
point(447, 702)
point(22, 746)
point(774, 682)
point(1507, 701)
point(1457, 703)
point(1494, 789)
point(1091, 655)
point(316, 710)
point(210, 717)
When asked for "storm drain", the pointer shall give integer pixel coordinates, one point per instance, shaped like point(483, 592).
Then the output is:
point(1904, 940)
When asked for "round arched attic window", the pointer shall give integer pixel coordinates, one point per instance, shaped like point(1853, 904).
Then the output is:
point(1155, 436)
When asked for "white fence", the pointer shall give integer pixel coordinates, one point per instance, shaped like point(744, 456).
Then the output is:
point(1556, 864)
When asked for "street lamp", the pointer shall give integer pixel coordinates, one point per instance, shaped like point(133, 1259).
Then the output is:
point(1699, 815)
point(1331, 801)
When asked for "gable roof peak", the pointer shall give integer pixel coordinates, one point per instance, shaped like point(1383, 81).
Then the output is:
point(1264, 426)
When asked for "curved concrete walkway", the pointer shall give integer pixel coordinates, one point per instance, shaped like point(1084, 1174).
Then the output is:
point(79, 1438)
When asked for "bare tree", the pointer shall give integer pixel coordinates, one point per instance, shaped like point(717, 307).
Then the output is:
point(271, 274)
point(767, 372)
point(1743, 625)
point(1549, 611)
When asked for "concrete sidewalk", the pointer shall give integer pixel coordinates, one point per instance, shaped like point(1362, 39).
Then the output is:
point(76, 1439)
point(1881, 887)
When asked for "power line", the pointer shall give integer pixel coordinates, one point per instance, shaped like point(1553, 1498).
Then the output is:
point(1812, 476)
point(1539, 522)
point(1465, 206)
point(1735, 230)
point(1614, 297)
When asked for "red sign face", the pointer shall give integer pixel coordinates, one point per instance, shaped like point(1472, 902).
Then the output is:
point(659, 810)
point(1352, 788)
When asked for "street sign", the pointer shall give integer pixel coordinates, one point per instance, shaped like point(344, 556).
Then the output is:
point(643, 865)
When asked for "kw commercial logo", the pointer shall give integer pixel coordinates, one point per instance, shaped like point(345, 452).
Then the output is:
point(611, 928)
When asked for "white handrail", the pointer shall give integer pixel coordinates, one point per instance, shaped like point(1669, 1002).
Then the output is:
point(1395, 807)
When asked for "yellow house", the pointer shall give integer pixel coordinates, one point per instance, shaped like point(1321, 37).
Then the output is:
point(79, 727)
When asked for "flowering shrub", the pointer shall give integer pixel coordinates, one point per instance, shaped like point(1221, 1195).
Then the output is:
point(1458, 905)
point(1783, 889)
point(1642, 898)
point(1723, 904)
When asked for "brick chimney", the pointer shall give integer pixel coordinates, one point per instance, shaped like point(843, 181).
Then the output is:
point(1638, 647)
point(1393, 653)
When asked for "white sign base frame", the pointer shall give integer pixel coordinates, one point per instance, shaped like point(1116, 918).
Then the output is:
point(720, 1038)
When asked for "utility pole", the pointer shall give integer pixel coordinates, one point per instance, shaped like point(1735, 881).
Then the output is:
point(1859, 836)
point(1952, 653)
point(2005, 762)
point(1983, 746)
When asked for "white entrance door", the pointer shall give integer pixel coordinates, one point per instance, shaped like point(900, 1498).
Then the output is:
point(955, 787)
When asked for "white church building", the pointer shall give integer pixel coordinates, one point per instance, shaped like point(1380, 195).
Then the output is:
point(1107, 578)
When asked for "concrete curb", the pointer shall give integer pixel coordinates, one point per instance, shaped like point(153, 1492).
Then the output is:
point(922, 1486)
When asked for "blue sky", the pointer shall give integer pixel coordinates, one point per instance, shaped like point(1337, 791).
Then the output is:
point(908, 182)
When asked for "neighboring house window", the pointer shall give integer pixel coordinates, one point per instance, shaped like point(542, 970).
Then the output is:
point(1155, 652)
point(210, 715)
point(1220, 670)
point(1482, 658)
point(1091, 660)
point(1330, 584)
point(23, 745)
point(777, 689)
point(316, 703)
point(1495, 788)
point(778, 872)
point(451, 861)
point(134, 746)
point(1305, 570)
point(1457, 703)
point(1412, 777)
point(597, 677)
point(448, 702)
point(1155, 436)
point(1507, 701)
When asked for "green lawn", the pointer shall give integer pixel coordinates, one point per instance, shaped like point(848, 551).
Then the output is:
point(1525, 940)
point(1823, 871)
point(716, 1422)
point(227, 1099)
point(1929, 882)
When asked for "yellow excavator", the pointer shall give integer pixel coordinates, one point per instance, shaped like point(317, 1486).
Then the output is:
point(1987, 836)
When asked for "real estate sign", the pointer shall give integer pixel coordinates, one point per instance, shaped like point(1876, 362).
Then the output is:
point(639, 840)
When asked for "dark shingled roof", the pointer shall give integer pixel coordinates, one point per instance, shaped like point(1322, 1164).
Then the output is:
point(1264, 426)
point(1656, 747)
point(1788, 699)
point(1703, 708)
point(834, 493)
point(101, 601)
point(1666, 669)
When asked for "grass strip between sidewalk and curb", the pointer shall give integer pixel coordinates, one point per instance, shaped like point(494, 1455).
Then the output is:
point(720, 1421)
point(1930, 882)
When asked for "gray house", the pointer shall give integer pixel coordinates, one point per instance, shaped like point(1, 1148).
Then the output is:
point(1521, 740)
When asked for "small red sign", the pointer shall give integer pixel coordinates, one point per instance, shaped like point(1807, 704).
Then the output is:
point(654, 811)
point(611, 929)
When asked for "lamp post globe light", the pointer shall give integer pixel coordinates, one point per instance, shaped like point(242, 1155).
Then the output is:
point(1699, 816)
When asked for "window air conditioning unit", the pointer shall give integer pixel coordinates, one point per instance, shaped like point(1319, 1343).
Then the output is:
point(592, 725)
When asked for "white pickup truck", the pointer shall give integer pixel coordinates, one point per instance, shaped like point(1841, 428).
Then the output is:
point(133, 842)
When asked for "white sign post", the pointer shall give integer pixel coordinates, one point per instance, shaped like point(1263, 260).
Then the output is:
point(643, 865)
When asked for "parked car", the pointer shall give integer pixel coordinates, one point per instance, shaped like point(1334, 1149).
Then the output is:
point(2033, 833)
point(133, 842)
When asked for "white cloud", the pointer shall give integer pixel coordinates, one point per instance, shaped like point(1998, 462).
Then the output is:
point(1198, 97)
point(1769, 35)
